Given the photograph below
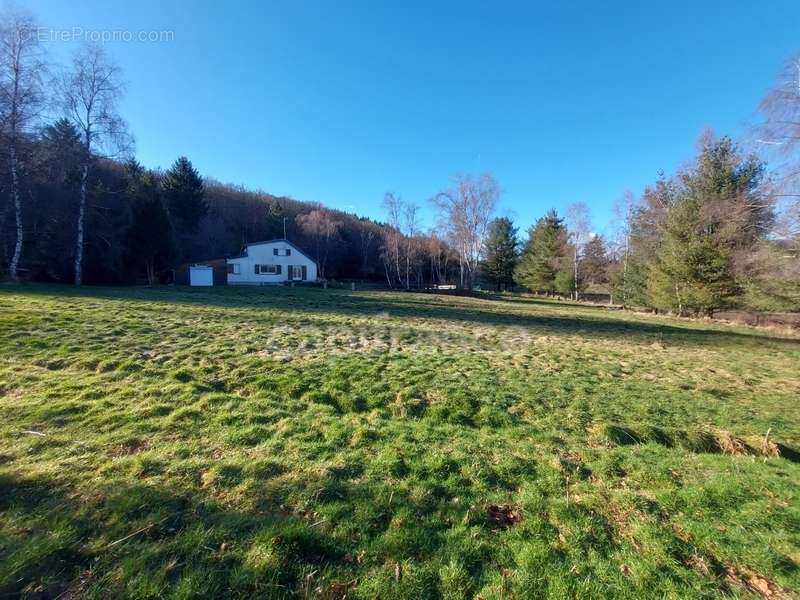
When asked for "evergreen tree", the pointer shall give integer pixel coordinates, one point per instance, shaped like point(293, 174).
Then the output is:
point(544, 253)
point(644, 233)
point(59, 159)
point(564, 282)
point(150, 240)
point(719, 215)
point(184, 196)
point(691, 270)
point(61, 142)
point(594, 266)
point(501, 252)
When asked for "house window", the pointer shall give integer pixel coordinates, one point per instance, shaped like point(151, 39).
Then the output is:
point(295, 272)
point(234, 268)
point(281, 251)
point(268, 269)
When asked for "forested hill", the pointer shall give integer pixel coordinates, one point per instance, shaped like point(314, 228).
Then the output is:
point(229, 217)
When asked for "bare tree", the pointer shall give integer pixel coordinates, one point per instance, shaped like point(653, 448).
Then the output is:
point(366, 236)
point(411, 230)
point(21, 100)
point(778, 137)
point(579, 226)
point(321, 225)
point(464, 215)
point(90, 93)
point(620, 234)
point(392, 236)
point(439, 257)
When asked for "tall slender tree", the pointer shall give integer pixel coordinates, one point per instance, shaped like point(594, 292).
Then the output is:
point(392, 234)
point(21, 99)
point(90, 95)
point(579, 226)
point(411, 231)
point(60, 154)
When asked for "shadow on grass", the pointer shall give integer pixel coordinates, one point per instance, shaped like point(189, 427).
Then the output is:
point(130, 539)
point(699, 441)
point(588, 320)
point(126, 540)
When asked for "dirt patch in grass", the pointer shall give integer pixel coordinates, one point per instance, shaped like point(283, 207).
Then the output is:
point(129, 448)
point(757, 584)
point(736, 578)
point(503, 516)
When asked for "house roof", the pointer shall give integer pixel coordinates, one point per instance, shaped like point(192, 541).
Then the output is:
point(281, 240)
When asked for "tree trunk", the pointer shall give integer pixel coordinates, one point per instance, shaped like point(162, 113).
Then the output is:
point(398, 273)
point(575, 271)
point(79, 235)
point(388, 275)
point(17, 213)
point(678, 298)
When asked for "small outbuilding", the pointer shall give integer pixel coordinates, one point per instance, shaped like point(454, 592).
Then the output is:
point(201, 275)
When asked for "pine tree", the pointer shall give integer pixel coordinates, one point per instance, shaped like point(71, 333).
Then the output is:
point(59, 161)
point(184, 197)
point(544, 253)
point(501, 252)
point(594, 266)
point(150, 240)
point(692, 270)
point(564, 282)
point(719, 215)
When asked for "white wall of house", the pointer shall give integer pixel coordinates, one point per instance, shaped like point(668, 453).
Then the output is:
point(276, 261)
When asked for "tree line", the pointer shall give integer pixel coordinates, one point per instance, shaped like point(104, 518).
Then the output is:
point(721, 232)
point(714, 235)
point(77, 207)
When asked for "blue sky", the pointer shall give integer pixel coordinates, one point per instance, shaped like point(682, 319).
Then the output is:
point(340, 101)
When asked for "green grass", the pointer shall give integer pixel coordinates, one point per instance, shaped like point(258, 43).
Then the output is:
point(289, 442)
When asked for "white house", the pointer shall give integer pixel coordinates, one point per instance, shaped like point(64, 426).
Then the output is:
point(273, 261)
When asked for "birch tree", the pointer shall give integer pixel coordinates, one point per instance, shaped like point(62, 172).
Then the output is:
point(411, 231)
point(366, 235)
point(579, 227)
point(21, 100)
point(778, 138)
point(778, 135)
point(465, 212)
point(392, 236)
point(90, 93)
point(438, 254)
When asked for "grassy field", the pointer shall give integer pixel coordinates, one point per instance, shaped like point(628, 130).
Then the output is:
point(309, 443)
